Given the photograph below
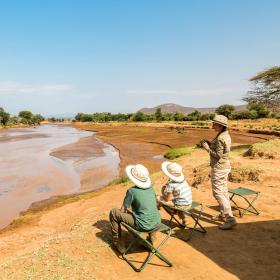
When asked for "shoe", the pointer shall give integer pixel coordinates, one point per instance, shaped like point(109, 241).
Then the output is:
point(219, 218)
point(228, 224)
point(118, 245)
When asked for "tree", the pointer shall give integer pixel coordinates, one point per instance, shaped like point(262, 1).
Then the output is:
point(139, 117)
point(26, 117)
point(158, 114)
point(37, 119)
point(4, 116)
point(225, 110)
point(266, 89)
point(260, 108)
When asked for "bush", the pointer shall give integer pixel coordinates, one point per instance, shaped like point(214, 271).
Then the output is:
point(199, 123)
point(178, 152)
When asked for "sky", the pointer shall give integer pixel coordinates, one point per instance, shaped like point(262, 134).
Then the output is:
point(64, 56)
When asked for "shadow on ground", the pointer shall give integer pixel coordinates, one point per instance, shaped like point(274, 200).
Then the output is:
point(250, 251)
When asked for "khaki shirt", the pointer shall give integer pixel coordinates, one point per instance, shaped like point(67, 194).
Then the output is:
point(219, 151)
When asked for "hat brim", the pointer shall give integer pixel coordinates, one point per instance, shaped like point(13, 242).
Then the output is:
point(138, 183)
point(223, 124)
point(178, 179)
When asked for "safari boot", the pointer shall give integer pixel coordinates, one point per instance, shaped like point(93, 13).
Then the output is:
point(228, 224)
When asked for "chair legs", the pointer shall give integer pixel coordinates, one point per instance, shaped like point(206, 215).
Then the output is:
point(153, 251)
point(250, 207)
point(197, 225)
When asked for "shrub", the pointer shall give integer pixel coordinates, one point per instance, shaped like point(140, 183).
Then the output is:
point(178, 152)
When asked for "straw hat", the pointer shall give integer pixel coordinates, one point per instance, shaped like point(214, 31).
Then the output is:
point(220, 119)
point(173, 170)
point(139, 175)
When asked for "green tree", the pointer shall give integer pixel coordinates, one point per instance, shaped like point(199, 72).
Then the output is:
point(158, 114)
point(37, 119)
point(266, 88)
point(225, 110)
point(139, 117)
point(260, 108)
point(178, 117)
point(26, 117)
point(4, 116)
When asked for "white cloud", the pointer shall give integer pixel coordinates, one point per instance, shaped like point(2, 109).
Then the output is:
point(14, 87)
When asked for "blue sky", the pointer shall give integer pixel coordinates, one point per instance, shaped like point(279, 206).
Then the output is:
point(122, 55)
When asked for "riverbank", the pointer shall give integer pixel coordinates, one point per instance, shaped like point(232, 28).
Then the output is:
point(70, 238)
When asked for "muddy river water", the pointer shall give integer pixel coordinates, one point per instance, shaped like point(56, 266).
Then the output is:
point(37, 163)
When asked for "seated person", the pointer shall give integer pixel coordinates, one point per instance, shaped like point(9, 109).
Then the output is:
point(141, 199)
point(176, 193)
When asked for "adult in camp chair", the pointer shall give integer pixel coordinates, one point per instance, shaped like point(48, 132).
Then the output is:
point(143, 216)
point(249, 196)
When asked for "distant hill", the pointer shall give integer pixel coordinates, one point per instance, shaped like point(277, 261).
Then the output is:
point(173, 108)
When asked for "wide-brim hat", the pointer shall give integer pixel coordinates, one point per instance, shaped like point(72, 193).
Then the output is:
point(173, 171)
point(139, 175)
point(221, 119)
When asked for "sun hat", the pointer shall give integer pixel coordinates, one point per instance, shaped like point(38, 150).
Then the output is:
point(220, 119)
point(139, 175)
point(173, 170)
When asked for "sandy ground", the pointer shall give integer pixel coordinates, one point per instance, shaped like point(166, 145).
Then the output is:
point(72, 241)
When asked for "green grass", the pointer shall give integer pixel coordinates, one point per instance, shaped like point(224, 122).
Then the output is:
point(178, 152)
point(119, 180)
point(199, 123)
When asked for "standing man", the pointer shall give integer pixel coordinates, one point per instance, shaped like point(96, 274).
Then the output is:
point(219, 150)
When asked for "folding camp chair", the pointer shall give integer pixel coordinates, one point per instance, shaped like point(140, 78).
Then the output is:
point(244, 192)
point(194, 212)
point(153, 251)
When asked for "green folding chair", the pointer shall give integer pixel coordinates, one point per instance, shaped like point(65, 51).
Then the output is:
point(152, 250)
point(244, 193)
point(194, 212)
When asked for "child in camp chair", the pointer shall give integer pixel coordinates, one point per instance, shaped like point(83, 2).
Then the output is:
point(176, 193)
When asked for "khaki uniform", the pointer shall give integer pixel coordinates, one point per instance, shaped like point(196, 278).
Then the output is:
point(220, 168)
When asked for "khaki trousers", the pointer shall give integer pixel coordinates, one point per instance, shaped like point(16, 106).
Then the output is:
point(219, 178)
point(116, 217)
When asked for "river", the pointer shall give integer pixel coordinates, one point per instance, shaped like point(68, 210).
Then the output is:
point(49, 160)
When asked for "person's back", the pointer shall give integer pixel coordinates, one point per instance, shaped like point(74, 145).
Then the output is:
point(139, 208)
point(144, 207)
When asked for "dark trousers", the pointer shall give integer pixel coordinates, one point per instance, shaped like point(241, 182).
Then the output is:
point(116, 217)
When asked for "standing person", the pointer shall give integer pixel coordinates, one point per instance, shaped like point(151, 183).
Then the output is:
point(219, 150)
point(176, 193)
point(141, 199)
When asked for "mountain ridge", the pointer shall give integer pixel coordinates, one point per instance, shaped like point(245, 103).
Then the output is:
point(173, 108)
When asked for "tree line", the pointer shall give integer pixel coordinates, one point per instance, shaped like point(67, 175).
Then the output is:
point(263, 101)
point(254, 111)
point(23, 117)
